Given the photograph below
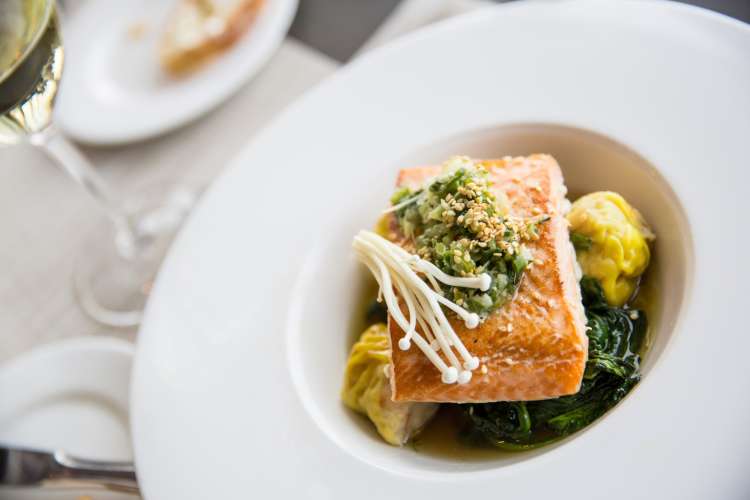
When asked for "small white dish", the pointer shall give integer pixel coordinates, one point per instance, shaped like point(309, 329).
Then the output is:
point(247, 331)
point(113, 89)
point(71, 395)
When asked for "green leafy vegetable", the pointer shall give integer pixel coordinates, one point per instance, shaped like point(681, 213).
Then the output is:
point(615, 337)
point(581, 242)
point(377, 312)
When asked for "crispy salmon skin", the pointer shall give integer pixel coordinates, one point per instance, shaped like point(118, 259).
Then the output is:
point(535, 346)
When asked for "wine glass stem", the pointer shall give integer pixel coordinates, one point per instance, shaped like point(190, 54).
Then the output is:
point(69, 157)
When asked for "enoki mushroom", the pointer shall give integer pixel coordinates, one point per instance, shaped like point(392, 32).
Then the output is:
point(399, 274)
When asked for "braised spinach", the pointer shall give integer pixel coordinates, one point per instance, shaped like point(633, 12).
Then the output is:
point(615, 338)
point(580, 241)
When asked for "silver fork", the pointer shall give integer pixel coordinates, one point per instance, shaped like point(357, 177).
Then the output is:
point(34, 468)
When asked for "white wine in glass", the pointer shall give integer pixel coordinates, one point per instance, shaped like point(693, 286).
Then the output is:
point(31, 61)
point(112, 286)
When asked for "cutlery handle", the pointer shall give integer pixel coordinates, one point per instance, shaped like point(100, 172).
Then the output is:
point(116, 476)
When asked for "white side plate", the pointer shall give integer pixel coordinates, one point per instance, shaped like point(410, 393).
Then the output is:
point(113, 89)
point(71, 395)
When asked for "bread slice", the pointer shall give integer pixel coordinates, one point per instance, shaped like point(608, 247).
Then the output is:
point(534, 347)
point(198, 30)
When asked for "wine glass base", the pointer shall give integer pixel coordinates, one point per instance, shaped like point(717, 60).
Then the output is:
point(112, 282)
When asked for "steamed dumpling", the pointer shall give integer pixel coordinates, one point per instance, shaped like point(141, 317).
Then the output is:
point(611, 240)
point(367, 389)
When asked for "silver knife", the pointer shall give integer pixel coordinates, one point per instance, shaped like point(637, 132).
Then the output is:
point(42, 469)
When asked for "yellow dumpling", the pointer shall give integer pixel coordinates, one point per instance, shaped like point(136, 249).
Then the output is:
point(611, 240)
point(383, 226)
point(367, 389)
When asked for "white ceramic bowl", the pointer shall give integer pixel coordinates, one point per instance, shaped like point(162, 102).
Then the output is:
point(241, 354)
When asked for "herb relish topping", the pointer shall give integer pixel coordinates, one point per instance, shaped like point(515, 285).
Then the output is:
point(456, 223)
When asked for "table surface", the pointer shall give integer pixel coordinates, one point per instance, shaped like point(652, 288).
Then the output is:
point(338, 27)
point(45, 218)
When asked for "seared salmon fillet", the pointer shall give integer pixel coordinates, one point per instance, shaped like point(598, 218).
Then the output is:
point(535, 346)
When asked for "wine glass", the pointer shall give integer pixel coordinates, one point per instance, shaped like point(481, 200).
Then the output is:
point(113, 285)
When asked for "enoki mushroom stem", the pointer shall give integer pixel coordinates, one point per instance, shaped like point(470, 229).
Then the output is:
point(399, 274)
